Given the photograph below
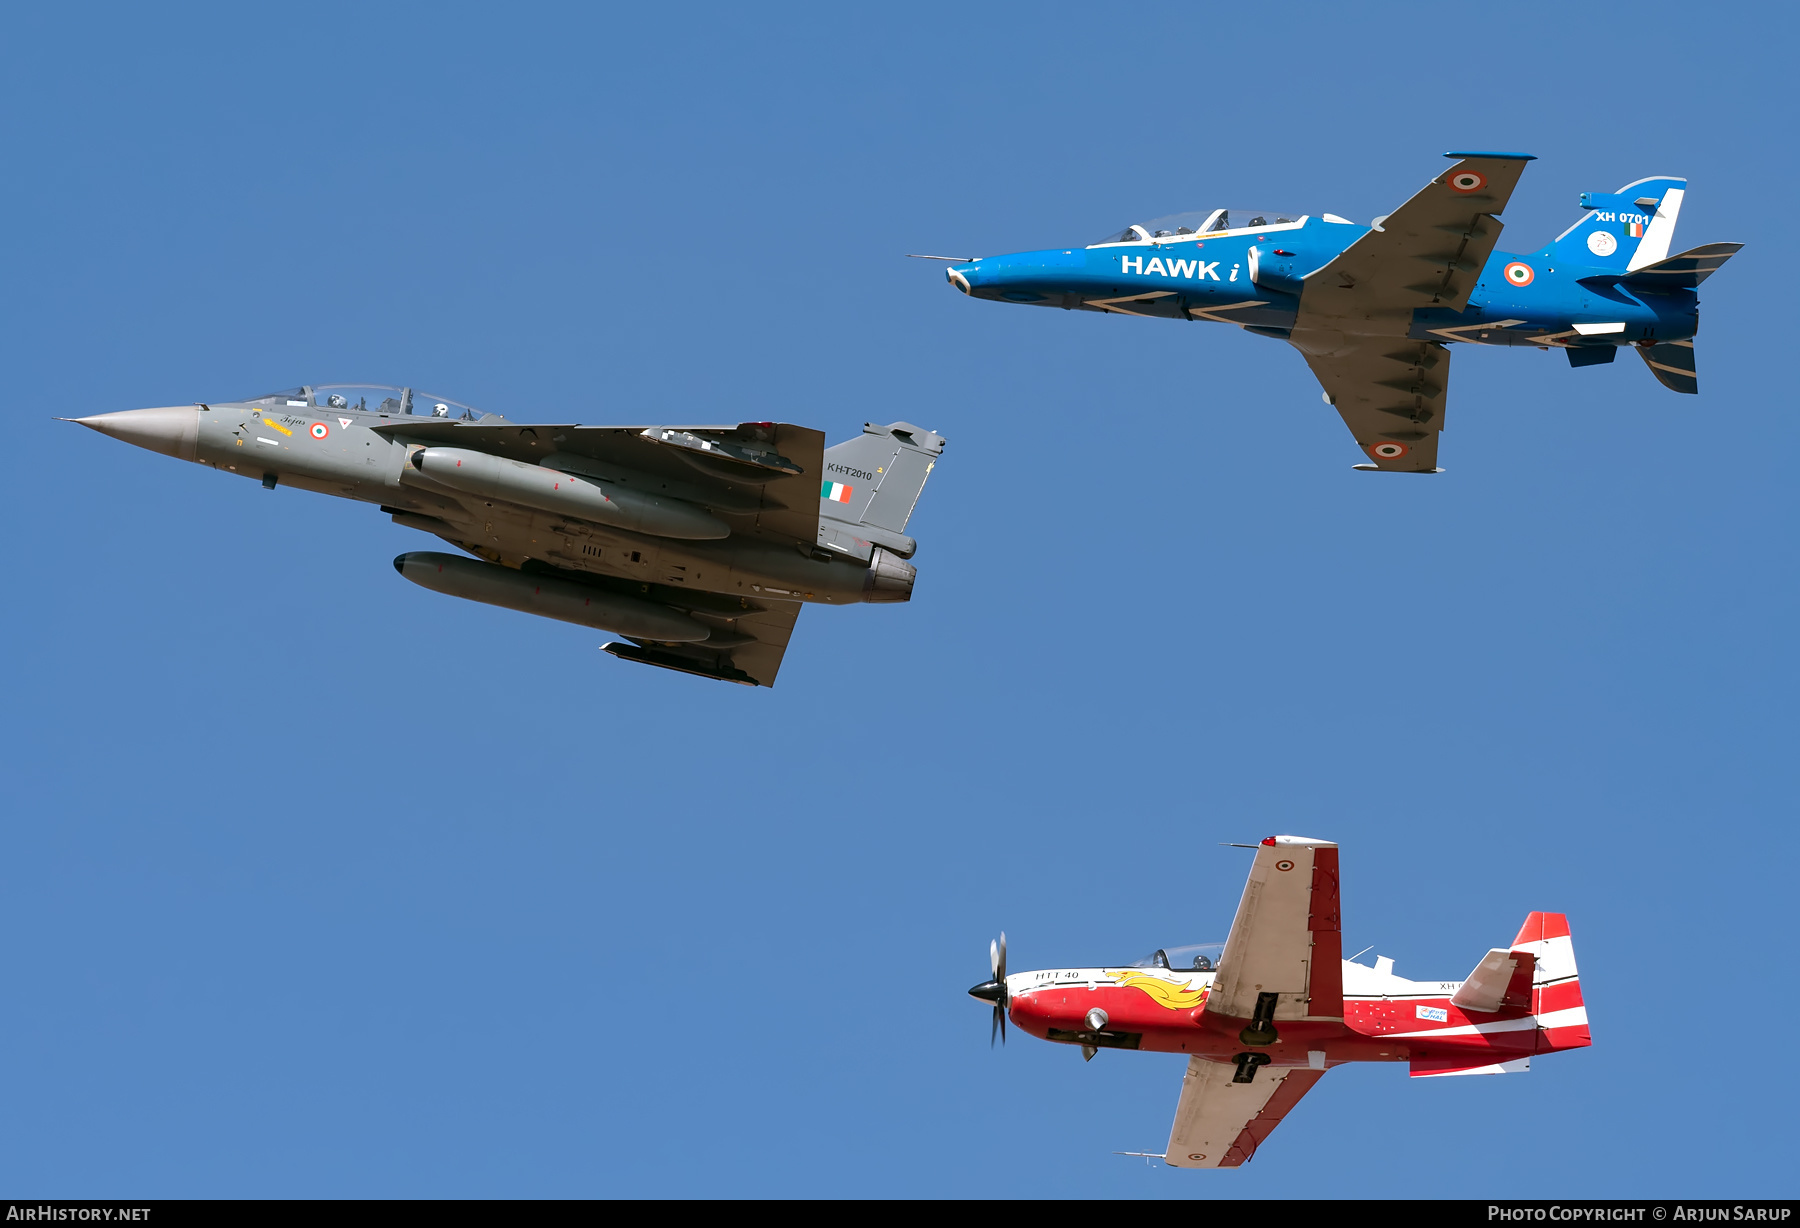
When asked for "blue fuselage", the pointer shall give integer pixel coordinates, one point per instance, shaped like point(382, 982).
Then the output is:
point(1519, 300)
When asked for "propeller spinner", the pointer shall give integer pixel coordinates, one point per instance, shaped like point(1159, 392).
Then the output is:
point(994, 989)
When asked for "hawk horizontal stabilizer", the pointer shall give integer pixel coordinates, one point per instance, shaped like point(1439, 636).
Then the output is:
point(1684, 272)
point(1672, 363)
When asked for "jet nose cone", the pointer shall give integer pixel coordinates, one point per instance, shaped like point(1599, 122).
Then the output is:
point(172, 430)
point(958, 277)
point(988, 991)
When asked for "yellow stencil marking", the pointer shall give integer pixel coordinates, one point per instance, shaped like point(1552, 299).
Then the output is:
point(1164, 993)
point(276, 426)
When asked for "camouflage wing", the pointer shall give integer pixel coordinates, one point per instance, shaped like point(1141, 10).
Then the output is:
point(746, 648)
point(761, 478)
point(1390, 393)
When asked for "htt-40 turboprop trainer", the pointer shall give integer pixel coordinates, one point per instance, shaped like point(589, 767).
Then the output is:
point(1371, 308)
point(698, 544)
point(1265, 1015)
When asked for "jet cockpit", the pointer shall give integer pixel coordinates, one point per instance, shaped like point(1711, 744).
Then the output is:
point(372, 398)
point(1202, 224)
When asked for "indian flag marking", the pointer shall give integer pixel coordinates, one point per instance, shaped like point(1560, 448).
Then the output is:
point(837, 492)
point(1634, 229)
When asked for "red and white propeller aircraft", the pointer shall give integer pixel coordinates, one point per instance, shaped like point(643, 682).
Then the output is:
point(1265, 1016)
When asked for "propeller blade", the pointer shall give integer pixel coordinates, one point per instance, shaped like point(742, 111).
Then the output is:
point(995, 990)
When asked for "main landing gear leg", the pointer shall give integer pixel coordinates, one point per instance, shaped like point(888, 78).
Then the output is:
point(1246, 1066)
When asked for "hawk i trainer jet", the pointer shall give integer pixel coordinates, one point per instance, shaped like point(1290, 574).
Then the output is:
point(698, 544)
point(1373, 308)
point(1264, 1015)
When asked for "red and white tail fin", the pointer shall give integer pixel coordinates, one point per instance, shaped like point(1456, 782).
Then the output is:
point(1536, 973)
point(1555, 984)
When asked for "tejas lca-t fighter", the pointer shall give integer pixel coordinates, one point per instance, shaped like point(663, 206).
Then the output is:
point(1265, 1014)
point(698, 544)
point(1373, 308)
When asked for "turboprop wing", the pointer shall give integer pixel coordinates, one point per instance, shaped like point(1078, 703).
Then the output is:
point(1356, 311)
point(1219, 1122)
point(1282, 958)
point(1282, 962)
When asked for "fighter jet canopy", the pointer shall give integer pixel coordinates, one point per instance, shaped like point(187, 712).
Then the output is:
point(373, 398)
point(1201, 222)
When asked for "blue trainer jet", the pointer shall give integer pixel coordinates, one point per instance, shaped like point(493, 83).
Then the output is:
point(1373, 308)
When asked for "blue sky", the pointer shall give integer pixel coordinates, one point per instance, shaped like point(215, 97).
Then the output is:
point(318, 883)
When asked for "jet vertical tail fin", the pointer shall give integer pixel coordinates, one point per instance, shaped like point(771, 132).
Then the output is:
point(871, 485)
point(1624, 230)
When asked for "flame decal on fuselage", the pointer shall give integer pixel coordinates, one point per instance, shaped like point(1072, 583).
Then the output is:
point(1163, 993)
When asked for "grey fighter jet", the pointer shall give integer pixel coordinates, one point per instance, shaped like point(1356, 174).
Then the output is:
point(697, 544)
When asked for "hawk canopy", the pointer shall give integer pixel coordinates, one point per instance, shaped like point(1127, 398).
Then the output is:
point(1201, 222)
